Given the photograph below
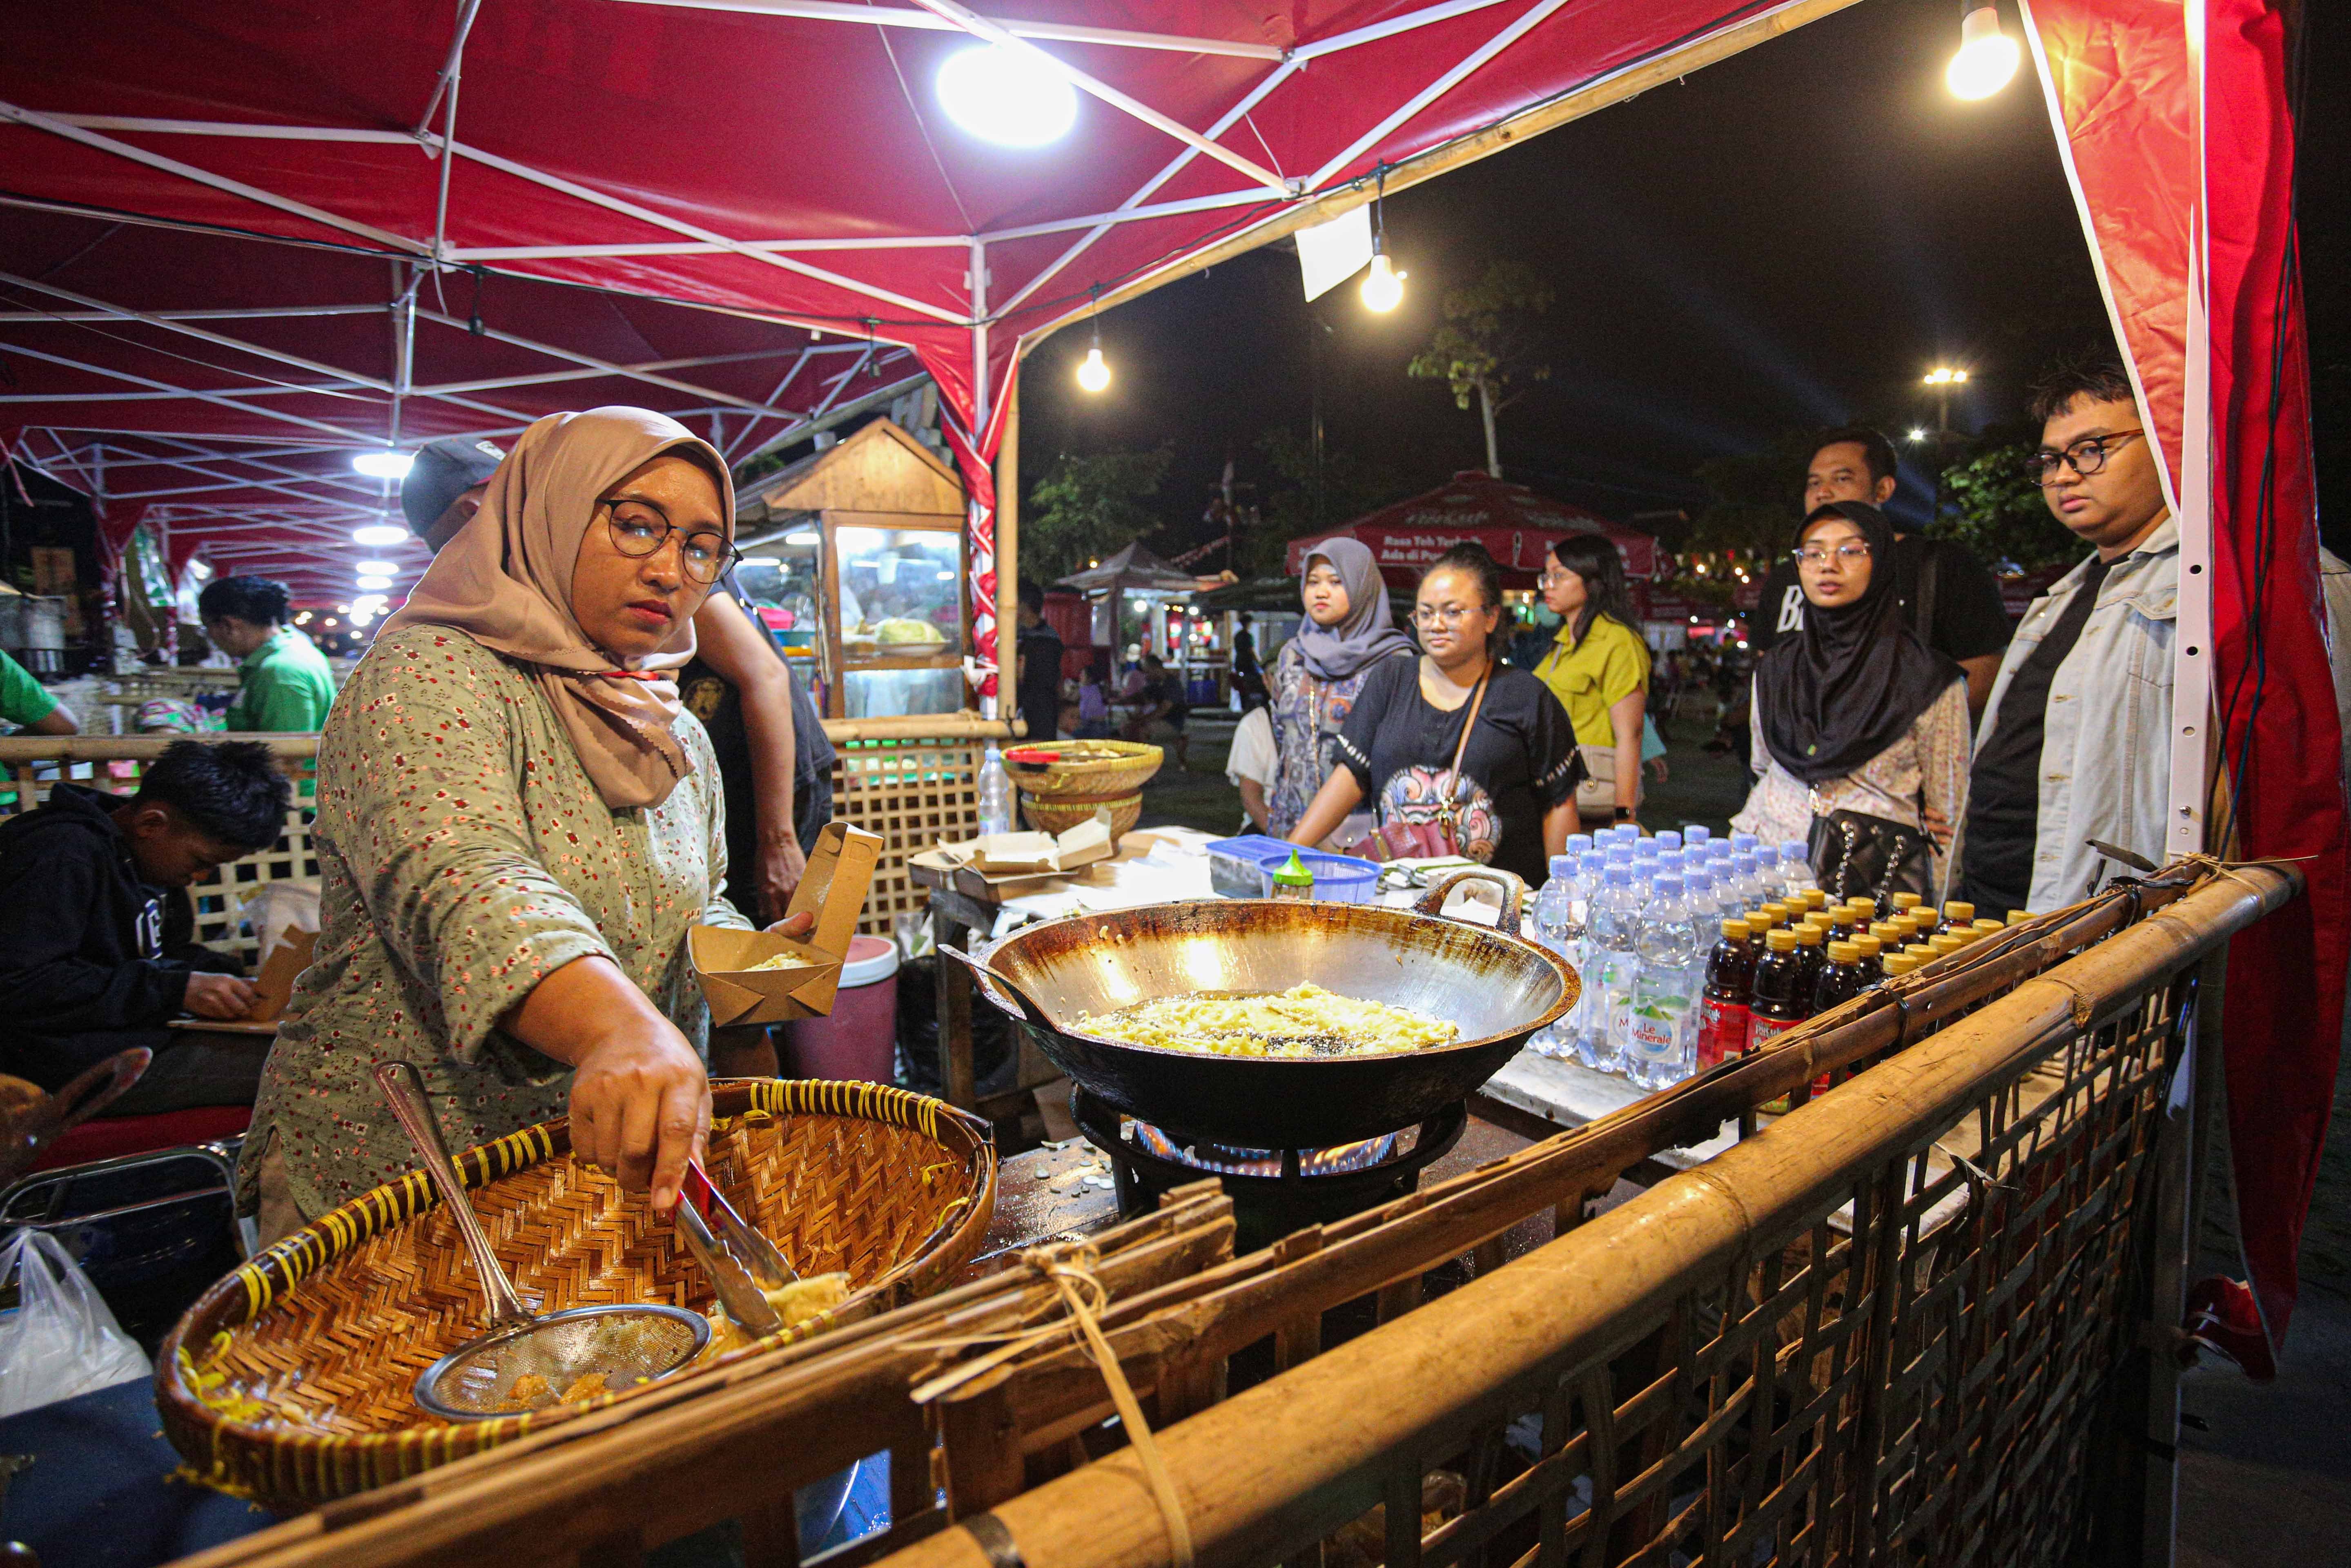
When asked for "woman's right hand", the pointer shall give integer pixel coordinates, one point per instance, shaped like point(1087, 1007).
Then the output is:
point(641, 1108)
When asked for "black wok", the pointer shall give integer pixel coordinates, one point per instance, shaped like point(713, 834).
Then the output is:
point(1495, 985)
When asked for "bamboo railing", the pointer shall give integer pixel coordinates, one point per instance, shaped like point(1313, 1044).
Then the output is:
point(1849, 1335)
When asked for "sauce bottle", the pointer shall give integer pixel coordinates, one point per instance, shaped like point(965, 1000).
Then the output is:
point(1957, 914)
point(1811, 958)
point(2019, 916)
point(1730, 993)
point(1873, 952)
point(1291, 879)
point(1943, 944)
point(1782, 996)
point(1776, 912)
point(1813, 899)
point(1899, 965)
point(1842, 977)
point(1906, 902)
point(1989, 928)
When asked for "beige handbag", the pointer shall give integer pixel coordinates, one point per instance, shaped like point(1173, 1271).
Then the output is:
point(1596, 798)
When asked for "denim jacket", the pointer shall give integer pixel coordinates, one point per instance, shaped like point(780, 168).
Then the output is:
point(2105, 747)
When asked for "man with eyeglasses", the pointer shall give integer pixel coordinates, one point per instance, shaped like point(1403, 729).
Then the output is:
point(1952, 602)
point(2076, 743)
point(774, 760)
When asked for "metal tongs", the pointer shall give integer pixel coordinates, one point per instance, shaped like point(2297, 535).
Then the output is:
point(742, 1264)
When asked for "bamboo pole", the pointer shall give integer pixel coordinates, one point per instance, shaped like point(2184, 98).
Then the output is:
point(23, 748)
point(1274, 1469)
point(918, 727)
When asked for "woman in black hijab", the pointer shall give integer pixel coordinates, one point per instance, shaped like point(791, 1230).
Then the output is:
point(1860, 731)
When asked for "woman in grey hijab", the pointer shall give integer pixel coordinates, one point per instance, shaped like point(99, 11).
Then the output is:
point(1348, 629)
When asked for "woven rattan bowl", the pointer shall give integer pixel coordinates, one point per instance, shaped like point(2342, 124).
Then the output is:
point(291, 1380)
point(1059, 796)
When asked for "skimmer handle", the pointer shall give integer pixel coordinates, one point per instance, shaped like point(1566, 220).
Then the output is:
point(404, 1086)
point(1513, 894)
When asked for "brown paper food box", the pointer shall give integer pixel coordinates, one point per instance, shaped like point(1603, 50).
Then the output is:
point(838, 874)
point(275, 981)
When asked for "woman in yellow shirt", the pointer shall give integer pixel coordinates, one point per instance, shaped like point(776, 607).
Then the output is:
point(1599, 670)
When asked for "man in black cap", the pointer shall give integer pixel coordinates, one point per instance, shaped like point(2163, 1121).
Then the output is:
point(773, 756)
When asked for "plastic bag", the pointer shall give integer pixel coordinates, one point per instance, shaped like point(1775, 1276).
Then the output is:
point(62, 1339)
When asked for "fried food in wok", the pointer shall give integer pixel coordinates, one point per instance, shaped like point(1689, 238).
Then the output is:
point(1303, 1021)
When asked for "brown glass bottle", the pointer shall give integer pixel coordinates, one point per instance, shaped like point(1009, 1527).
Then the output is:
point(1730, 993)
point(1840, 979)
point(1782, 994)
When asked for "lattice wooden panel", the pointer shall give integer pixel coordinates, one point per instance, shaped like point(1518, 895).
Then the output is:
point(912, 793)
point(221, 895)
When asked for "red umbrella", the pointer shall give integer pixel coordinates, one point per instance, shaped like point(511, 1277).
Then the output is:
point(1517, 527)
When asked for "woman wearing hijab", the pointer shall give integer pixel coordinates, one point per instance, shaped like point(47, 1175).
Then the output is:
point(1318, 672)
point(1860, 731)
point(517, 827)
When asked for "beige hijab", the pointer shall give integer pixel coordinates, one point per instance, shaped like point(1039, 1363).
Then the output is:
point(505, 581)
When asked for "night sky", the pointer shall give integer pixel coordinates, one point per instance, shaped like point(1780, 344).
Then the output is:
point(1789, 238)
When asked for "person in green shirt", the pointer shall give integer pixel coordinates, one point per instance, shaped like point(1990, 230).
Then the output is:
point(30, 705)
point(284, 683)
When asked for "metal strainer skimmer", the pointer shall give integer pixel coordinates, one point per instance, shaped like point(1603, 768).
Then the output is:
point(524, 1362)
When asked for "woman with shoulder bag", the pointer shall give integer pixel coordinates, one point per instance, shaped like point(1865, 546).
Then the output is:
point(1463, 755)
point(1599, 671)
point(1860, 729)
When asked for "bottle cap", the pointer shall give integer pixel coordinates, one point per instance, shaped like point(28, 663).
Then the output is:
point(1808, 934)
point(1813, 898)
point(1780, 940)
point(1563, 865)
point(1899, 964)
point(1776, 912)
point(1737, 931)
point(1887, 931)
point(1920, 951)
point(1944, 944)
point(1908, 901)
point(2019, 916)
point(1871, 946)
point(1668, 885)
point(1959, 913)
point(1843, 953)
point(1988, 927)
point(1692, 833)
point(1292, 873)
point(1670, 839)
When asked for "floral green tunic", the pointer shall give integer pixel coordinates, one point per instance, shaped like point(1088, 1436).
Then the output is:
point(465, 857)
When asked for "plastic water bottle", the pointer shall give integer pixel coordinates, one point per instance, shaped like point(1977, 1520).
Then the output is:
point(1618, 854)
point(1577, 843)
point(1746, 890)
point(1770, 884)
point(995, 793)
point(1796, 870)
point(1696, 833)
point(1743, 841)
point(1660, 1045)
point(1559, 926)
point(1614, 928)
point(1645, 851)
point(1670, 839)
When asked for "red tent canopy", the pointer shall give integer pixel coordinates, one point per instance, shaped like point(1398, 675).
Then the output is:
point(1515, 526)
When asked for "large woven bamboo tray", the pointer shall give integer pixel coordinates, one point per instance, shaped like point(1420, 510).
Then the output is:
point(291, 1380)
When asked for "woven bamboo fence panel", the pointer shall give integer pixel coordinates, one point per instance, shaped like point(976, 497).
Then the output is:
point(34, 763)
point(1894, 1326)
point(912, 793)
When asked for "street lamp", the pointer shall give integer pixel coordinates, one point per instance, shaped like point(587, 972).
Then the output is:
point(1943, 378)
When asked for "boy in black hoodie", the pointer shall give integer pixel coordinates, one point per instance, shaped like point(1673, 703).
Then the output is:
point(95, 929)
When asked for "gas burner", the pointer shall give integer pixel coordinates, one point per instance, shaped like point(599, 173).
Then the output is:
point(1274, 1191)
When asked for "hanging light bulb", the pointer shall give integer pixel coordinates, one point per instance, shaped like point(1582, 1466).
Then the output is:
point(1094, 372)
point(1383, 288)
point(1987, 56)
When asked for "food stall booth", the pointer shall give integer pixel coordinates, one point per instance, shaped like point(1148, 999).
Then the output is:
point(1842, 1337)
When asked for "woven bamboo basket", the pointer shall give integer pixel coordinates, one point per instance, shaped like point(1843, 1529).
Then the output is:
point(291, 1380)
point(1060, 796)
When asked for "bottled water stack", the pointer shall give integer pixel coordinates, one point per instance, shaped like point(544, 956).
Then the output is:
point(1660, 1044)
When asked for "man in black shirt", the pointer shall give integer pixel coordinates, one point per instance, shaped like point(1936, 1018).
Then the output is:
point(1039, 667)
point(1954, 603)
point(90, 963)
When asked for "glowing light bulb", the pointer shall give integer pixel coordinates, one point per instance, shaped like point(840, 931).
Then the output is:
point(1094, 372)
point(1383, 284)
point(383, 465)
point(1007, 96)
point(375, 584)
point(379, 535)
point(377, 568)
point(1987, 56)
point(1918, 434)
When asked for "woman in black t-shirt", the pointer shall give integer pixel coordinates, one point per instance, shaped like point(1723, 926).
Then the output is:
point(1513, 803)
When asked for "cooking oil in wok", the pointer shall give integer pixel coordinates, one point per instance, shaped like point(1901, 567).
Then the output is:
point(1303, 1021)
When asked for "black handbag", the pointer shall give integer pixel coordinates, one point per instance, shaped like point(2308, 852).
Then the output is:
point(1856, 855)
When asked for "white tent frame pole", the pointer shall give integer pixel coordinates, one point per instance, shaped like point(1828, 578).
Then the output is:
point(223, 399)
point(124, 313)
point(60, 128)
point(450, 68)
point(1059, 32)
point(704, 247)
point(254, 313)
point(980, 27)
